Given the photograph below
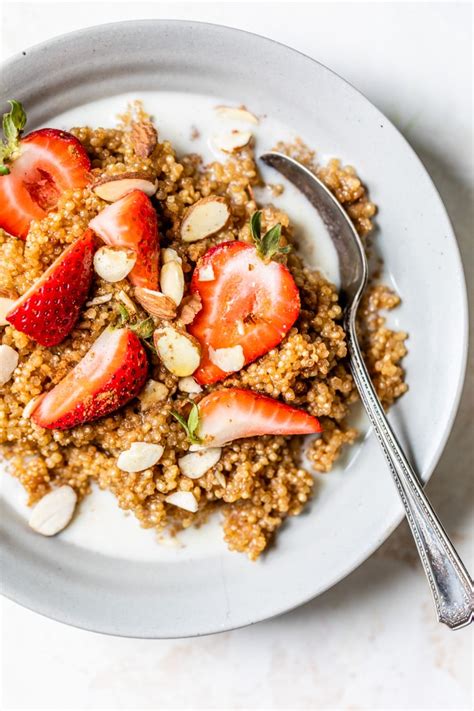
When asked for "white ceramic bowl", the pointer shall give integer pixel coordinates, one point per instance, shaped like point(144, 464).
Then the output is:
point(205, 588)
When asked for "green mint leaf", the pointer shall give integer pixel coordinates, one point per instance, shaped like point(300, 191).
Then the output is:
point(256, 225)
point(271, 241)
point(181, 421)
point(193, 419)
point(268, 245)
point(14, 122)
point(124, 315)
point(191, 425)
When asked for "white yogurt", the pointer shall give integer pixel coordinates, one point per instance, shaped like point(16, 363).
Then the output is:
point(100, 525)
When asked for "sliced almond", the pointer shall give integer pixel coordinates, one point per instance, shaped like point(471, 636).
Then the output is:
point(53, 512)
point(172, 281)
point(236, 113)
point(112, 187)
point(206, 273)
point(189, 385)
point(97, 300)
point(126, 301)
point(228, 359)
point(144, 138)
point(232, 141)
point(9, 361)
point(183, 500)
point(190, 307)
point(220, 478)
point(153, 393)
point(206, 217)
point(155, 303)
point(140, 456)
point(6, 305)
point(170, 255)
point(113, 264)
point(196, 464)
point(31, 406)
point(239, 324)
point(179, 352)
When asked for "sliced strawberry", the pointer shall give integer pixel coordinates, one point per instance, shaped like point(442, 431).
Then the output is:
point(247, 302)
point(110, 374)
point(50, 162)
point(49, 309)
point(131, 223)
point(232, 413)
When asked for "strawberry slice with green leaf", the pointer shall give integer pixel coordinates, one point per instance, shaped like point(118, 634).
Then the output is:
point(234, 413)
point(131, 223)
point(49, 309)
point(246, 302)
point(35, 170)
point(111, 373)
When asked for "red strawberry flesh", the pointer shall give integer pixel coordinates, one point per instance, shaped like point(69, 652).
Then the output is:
point(233, 413)
point(50, 162)
point(131, 223)
point(249, 303)
point(111, 373)
point(48, 311)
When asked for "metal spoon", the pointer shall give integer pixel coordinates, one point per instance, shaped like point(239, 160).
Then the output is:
point(451, 585)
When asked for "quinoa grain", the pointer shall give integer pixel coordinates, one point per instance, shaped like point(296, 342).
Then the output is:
point(257, 482)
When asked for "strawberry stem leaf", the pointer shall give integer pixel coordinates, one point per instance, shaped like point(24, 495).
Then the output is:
point(144, 329)
point(191, 425)
point(269, 245)
point(124, 315)
point(13, 124)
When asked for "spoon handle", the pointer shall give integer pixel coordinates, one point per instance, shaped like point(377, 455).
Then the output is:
point(451, 585)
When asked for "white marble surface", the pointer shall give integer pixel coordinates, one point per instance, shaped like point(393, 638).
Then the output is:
point(371, 642)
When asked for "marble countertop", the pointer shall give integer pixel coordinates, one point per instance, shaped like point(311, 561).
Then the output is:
point(372, 641)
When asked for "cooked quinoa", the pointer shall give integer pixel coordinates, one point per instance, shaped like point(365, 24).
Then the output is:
point(257, 482)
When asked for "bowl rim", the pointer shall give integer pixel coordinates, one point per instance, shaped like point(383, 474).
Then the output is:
point(463, 305)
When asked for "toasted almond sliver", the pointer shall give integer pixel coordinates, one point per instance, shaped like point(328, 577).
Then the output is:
point(206, 273)
point(228, 359)
point(53, 512)
point(113, 187)
point(236, 113)
point(8, 362)
point(220, 478)
point(144, 138)
point(153, 393)
point(6, 305)
point(31, 406)
point(206, 217)
point(155, 303)
point(97, 300)
point(126, 301)
point(179, 352)
point(190, 307)
point(189, 385)
point(232, 141)
point(183, 500)
point(172, 281)
point(140, 456)
point(196, 464)
point(113, 264)
point(170, 255)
